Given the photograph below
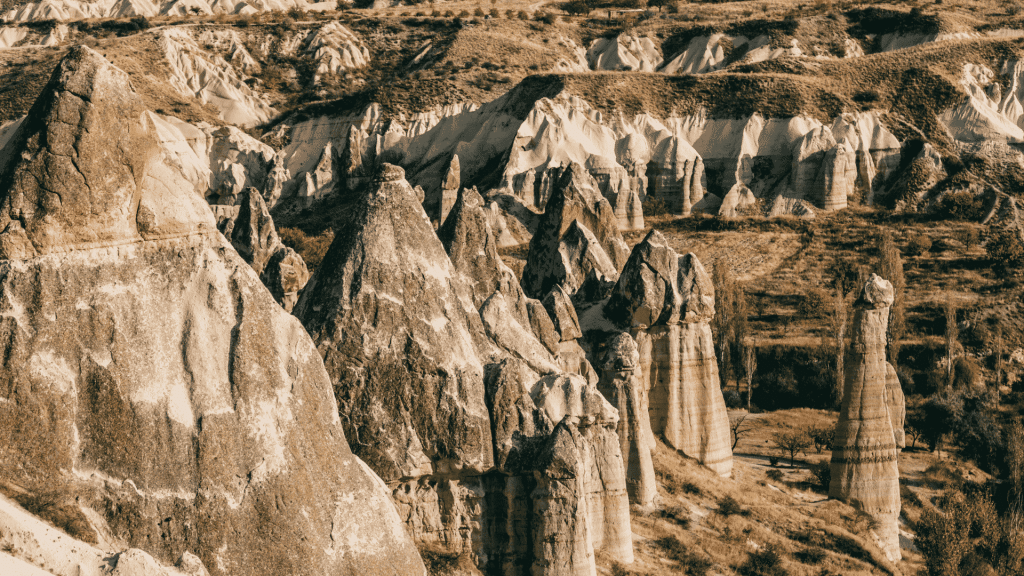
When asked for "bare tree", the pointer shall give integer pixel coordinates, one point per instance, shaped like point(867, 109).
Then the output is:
point(890, 267)
point(749, 367)
point(738, 429)
point(950, 307)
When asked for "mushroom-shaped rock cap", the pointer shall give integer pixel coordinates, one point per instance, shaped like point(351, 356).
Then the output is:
point(389, 173)
point(878, 293)
point(621, 353)
point(84, 169)
point(659, 287)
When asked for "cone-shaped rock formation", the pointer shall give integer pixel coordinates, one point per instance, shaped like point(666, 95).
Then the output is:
point(146, 367)
point(667, 302)
point(578, 233)
point(864, 470)
point(410, 337)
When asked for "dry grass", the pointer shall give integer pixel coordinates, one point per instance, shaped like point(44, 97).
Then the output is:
point(768, 516)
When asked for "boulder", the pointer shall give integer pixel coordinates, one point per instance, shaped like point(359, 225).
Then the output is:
point(864, 468)
point(578, 232)
point(667, 301)
point(147, 368)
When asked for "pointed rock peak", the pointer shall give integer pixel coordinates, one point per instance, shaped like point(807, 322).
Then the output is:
point(452, 178)
point(85, 168)
point(878, 293)
point(470, 197)
point(696, 289)
point(253, 234)
point(645, 294)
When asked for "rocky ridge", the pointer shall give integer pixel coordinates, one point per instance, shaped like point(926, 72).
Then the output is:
point(173, 386)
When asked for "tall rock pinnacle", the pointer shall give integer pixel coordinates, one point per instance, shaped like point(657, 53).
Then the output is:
point(864, 468)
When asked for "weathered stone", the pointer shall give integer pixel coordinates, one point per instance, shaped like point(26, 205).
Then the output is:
point(319, 182)
point(449, 190)
point(542, 325)
point(285, 275)
point(556, 445)
point(563, 314)
point(147, 368)
point(253, 234)
point(622, 384)
point(577, 232)
point(667, 302)
point(393, 319)
point(864, 468)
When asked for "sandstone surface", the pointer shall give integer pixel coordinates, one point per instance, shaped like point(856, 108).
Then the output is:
point(146, 365)
point(864, 468)
point(666, 301)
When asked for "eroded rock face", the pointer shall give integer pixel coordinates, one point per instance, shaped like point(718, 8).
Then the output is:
point(145, 365)
point(560, 473)
point(622, 384)
point(253, 235)
point(411, 337)
point(577, 233)
point(667, 302)
point(386, 301)
point(449, 190)
point(864, 468)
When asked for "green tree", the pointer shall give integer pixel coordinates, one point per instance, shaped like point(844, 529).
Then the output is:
point(1005, 248)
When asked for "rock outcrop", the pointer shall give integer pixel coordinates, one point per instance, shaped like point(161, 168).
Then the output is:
point(411, 336)
point(864, 468)
point(667, 301)
point(449, 190)
point(622, 384)
point(577, 233)
point(559, 472)
point(146, 368)
point(253, 235)
point(624, 52)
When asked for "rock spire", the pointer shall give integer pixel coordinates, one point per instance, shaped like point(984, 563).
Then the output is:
point(864, 468)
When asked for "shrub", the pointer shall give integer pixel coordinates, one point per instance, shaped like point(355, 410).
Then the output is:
point(546, 17)
point(733, 399)
point(311, 248)
point(655, 206)
point(1004, 247)
point(766, 561)
point(522, 15)
point(678, 515)
point(816, 303)
point(919, 244)
point(60, 509)
point(961, 205)
point(728, 506)
point(689, 562)
point(479, 12)
point(576, 7)
point(966, 372)
point(690, 488)
point(813, 555)
point(775, 475)
point(823, 474)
